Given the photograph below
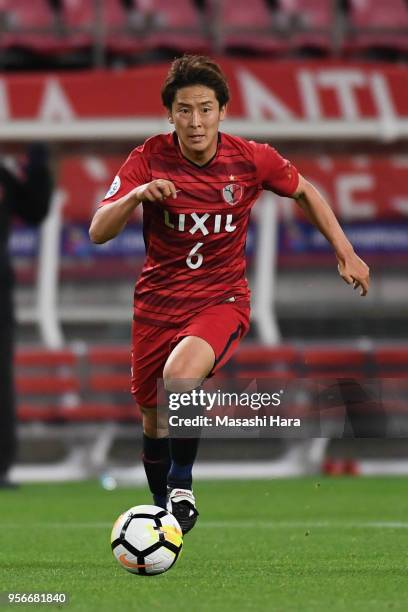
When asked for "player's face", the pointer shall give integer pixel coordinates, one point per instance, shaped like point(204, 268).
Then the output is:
point(196, 115)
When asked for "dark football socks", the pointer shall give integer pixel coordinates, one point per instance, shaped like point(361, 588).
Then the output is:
point(183, 452)
point(156, 461)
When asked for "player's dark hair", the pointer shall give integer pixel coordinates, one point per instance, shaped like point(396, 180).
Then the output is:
point(194, 70)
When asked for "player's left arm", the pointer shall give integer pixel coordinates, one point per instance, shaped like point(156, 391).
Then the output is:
point(351, 268)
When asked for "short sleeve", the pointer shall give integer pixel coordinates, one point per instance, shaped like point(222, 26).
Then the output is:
point(275, 173)
point(135, 171)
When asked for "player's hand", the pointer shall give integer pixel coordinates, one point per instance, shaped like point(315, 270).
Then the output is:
point(156, 191)
point(354, 271)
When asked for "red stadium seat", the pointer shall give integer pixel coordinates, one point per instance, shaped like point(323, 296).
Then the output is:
point(109, 369)
point(248, 26)
point(388, 21)
point(79, 19)
point(21, 19)
point(111, 355)
point(31, 413)
point(333, 362)
point(312, 24)
point(110, 382)
point(391, 361)
point(263, 354)
point(46, 380)
point(100, 412)
point(258, 361)
point(391, 369)
point(44, 358)
point(45, 385)
point(176, 26)
point(265, 375)
point(122, 35)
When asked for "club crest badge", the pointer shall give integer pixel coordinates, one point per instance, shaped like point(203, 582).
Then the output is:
point(232, 193)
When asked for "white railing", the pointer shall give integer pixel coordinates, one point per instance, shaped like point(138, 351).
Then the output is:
point(85, 130)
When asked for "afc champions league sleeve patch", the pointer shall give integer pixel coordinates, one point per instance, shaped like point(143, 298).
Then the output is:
point(114, 188)
point(232, 193)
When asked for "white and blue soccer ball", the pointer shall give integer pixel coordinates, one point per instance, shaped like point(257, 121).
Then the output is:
point(146, 540)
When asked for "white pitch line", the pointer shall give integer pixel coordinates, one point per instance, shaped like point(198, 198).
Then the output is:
point(231, 525)
point(305, 524)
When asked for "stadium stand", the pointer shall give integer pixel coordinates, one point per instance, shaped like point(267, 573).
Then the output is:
point(269, 362)
point(377, 26)
point(121, 30)
point(69, 33)
point(46, 381)
point(390, 361)
point(30, 27)
point(248, 27)
point(176, 28)
point(391, 366)
point(75, 384)
point(79, 20)
point(312, 22)
point(80, 396)
point(92, 382)
point(326, 362)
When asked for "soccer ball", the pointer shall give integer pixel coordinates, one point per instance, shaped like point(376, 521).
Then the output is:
point(146, 540)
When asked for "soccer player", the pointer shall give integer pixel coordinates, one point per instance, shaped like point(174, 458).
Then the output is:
point(197, 187)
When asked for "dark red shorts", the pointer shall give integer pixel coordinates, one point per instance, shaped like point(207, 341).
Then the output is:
point(222, 326)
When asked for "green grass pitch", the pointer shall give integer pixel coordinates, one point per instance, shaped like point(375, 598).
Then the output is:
point(303, 544)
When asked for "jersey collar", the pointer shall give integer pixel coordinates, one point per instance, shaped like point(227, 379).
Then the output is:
point(177, 145)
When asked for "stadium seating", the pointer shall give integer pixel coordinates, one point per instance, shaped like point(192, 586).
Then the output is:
point(391, 361)
point(30, 26)
point(324, 362)
point(81, 395)
point(248, 26)
point(93, 382)
point(123, 33)
point(77, 34)
point(378, 24)
point(74, 385)
point(176, 26)
point(266, 362)
point(46, 381)
point(78, 17)
point(391, 368)
point(311, 24)
point(110, 370)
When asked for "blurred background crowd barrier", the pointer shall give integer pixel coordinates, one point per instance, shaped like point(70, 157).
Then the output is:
point(326, 82)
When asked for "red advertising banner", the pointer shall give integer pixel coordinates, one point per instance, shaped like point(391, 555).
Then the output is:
point(259, 89)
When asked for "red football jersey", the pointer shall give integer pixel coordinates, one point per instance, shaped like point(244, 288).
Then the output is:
point(195, 244)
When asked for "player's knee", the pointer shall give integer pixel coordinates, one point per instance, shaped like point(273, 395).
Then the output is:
point(182, 374)
point(179, 378)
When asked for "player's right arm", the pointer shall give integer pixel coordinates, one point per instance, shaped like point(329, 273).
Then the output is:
point(110, 219)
